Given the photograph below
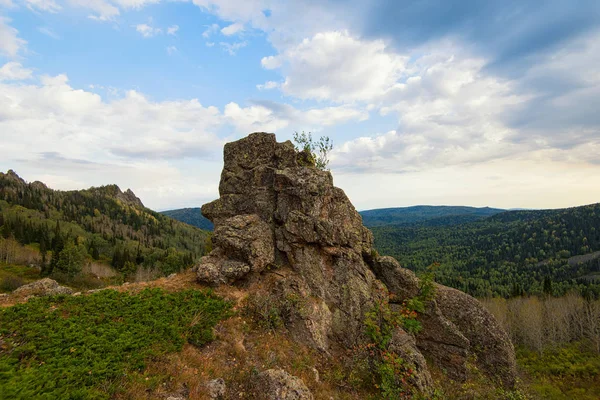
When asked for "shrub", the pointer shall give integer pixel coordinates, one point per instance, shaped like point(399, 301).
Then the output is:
point(10, 283)
point(83, 347)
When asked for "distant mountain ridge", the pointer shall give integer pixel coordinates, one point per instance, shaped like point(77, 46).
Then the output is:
point(191, 216)
point(442, 215)
point(431, 215)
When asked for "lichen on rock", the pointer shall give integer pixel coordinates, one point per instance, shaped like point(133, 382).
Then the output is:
point(275, 211)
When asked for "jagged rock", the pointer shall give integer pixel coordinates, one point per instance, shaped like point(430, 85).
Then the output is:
point(403, 283)
point(404, 345)
point(454, 326)
point(443, 342)
point(216, 388)
point(276, 209)
point(273, 211)
point(43, 287)
point(276, 384)
point(490, 343)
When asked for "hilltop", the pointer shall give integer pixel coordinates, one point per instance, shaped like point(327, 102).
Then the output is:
point(63, 233)
point(506, 254)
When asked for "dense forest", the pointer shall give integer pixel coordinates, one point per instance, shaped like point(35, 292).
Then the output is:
point(430, 215)
point(507, 254)
point(191, 216)
point(62, 231)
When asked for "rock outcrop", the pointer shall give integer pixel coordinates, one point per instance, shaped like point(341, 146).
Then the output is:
point(277, 212)
point(43, 287)
point(276, 384)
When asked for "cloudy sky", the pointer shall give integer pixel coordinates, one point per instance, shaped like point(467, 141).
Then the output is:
point(460, 102)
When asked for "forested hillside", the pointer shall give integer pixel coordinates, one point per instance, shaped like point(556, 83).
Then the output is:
point(191, 216)
point(507, 254)
point(61, 231)
point(430, 215)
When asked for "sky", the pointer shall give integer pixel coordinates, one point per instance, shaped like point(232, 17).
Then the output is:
point(442, 102)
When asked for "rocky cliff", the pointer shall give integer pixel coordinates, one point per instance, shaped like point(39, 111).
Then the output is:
point(280, 221)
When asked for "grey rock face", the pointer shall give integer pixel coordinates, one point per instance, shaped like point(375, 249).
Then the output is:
point(216, 388)
point(276, 384)
point(277, 210)
point(455, 325)
point(43, 287)
point(494, 350)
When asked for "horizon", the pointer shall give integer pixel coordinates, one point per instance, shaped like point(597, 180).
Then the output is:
point(359, 210)
point(455, 103)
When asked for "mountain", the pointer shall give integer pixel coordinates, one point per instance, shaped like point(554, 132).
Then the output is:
point(191, 216)
point(62, 230)
point(508, 253)
point(436, 215)
point(431, 215)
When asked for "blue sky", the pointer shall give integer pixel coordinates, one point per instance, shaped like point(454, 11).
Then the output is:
point(427, 101)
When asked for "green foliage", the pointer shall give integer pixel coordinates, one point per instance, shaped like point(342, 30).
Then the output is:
point(102, 224)
point(83, 347)
point(191, 216)
point(272, 311)
point(14, 276)
point(391, 372)
point(566, 361)
point(10, 283)
point(71, 259)
point(508, 253)
point(562, 373)
point(319, 151)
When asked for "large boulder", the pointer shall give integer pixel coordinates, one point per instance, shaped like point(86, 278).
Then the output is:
point(276, 384)
point(43, 287)
point(282, 222)
point(455, 326)
point(488, 341)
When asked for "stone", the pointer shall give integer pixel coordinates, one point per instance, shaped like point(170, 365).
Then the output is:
point(276, 384)
point(443, 342)
point(281, 221)
point(216, 388)
point(488, 341)
point(404, 345)
point(43, 287)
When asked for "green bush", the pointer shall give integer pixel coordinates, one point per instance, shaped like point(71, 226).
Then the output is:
point(10, 283)
point(85, 347)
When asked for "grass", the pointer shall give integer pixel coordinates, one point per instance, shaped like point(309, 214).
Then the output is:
point(562, 373)
point(89, 347)
point(13, 276)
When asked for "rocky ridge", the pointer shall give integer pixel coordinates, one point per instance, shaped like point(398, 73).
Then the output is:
point(281, 221)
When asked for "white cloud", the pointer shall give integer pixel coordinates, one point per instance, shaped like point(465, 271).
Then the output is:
point(43, 5)
point(146, 30)
point(73, 138)
point(171, 50)
point(48, 32)
point(14, 71)
point(271, 117)
point(7, 3)
point(10, 43)
point(336, 66)
point(210, 29)
point(232, 48)
point(103, 10)
point(233, 29)
point(268, 85)
point(172, 30)
point(134, 4)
